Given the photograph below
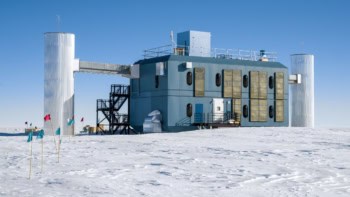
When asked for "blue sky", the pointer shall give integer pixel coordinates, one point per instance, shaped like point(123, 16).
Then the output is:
point(118, 32)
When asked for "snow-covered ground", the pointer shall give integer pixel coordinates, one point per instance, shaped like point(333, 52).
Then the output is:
point(221, 162)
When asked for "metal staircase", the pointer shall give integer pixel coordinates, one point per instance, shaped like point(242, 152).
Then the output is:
point(109, 109)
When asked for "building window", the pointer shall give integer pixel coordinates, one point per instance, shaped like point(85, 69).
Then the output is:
point(218, 79)
point(271, 111)
point(157, 81)
point(189, 78)
point(245, 111)
point(271, 82)
point(189, 110)
point(245, 81)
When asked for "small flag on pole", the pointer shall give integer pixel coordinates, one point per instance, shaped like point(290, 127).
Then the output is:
point(70, 122)
point(47, 117)
point(40, 134)
point(58, 131)
point(82, 119)
point(30, 137)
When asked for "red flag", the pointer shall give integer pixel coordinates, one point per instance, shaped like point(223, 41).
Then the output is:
point(47, 117)
point(82, 119)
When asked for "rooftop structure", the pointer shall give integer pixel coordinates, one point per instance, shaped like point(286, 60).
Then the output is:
point(194, 43)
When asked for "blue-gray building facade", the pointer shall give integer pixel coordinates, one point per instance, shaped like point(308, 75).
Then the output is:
point(186, 86)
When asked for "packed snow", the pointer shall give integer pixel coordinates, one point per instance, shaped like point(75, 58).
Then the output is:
point(218, 162)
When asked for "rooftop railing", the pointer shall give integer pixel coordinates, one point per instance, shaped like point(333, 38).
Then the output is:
point(252, 55)
point(158, 51)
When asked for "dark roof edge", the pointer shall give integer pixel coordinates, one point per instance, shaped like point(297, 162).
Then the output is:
point(154, 59)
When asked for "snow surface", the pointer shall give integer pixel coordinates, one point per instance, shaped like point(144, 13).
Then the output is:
point(220, 162)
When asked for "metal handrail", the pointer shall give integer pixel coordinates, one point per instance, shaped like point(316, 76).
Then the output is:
point(241, 54)
point(103, 103)
point(121, 89)
point(213, 118)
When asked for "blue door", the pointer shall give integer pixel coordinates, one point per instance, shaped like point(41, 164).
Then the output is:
point(199, 115)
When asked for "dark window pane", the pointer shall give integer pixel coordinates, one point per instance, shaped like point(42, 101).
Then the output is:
point(245, 111)
point(245, 81)
point(189, 110)
point(218, 79)
point(271, 111)
point(157, 81)
point(271, 82)
point(189, 78)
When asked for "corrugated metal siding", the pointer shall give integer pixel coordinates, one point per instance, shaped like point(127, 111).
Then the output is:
point(232, 84)
point(236, 84)
point(227, 83)
point(199, 80)
point(262, 110)
point(258, 110)
point(279, 85)
point(258, 85)
point(263, 85)
point(254, 84)
point(258, 96)
point(237, 106)
point(254, 110)
point(279, 110)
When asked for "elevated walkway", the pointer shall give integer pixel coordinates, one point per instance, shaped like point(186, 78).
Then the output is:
point(104, 68)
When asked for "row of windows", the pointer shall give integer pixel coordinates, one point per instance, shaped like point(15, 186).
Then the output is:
point(218, 80)
point(189, 111)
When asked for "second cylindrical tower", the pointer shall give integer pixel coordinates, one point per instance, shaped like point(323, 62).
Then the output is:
point(302, 108)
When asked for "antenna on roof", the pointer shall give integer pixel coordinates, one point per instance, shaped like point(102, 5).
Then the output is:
point(172, 38)
point(58, 22)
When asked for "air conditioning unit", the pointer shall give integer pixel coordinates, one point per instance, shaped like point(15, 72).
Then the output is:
point(135, 71)
point(160, 69)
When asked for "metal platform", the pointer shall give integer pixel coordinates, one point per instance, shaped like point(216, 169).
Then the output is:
point(216, 120)
point(107, 112)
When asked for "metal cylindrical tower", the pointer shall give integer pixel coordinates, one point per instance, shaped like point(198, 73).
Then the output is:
point(303, 94)
point(59, 81)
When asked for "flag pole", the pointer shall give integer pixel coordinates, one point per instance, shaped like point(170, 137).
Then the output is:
point(42, 153)
point(54, 136)
point(82, 125)
point(59, 147)
point(30, 159)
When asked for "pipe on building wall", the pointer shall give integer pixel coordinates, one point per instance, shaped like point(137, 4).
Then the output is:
point(59, 65)
point(303, 101)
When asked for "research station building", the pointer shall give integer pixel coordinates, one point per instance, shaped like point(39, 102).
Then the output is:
point(193, 85)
